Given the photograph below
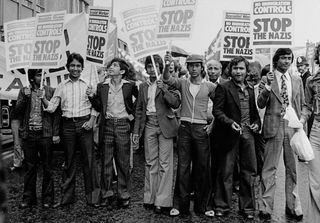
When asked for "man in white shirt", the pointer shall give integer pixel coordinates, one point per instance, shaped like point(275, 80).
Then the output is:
point(78, 118)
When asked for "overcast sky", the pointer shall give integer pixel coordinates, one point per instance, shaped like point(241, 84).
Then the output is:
point(209, 19)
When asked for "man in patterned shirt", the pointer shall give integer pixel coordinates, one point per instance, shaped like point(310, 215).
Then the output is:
point(78, 118)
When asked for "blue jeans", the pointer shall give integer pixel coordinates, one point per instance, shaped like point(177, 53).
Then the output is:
point(193, 146)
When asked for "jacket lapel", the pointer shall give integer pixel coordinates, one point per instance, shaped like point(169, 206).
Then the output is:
point(145, 92)
point(234, 92)
point(104, 97)
point(295, 87)
point(275, 89)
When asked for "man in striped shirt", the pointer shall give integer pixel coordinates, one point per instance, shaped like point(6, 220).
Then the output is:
point(78, 118)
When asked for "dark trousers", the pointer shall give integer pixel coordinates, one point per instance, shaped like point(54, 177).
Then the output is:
point(193, 146)
point(245, 147)
point(116, 144)
point(34, 146)
point(73, 136)
point(260, 144)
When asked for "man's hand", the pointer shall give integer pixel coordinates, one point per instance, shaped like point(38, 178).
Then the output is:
point(55, 139)
point(254, 127)
point(270, 78)
point(236, 127)
point(88, 125)
point(135, 138)
point(27, 92)
point(89, 91)
point(208, 128)
point(160, 84)
point(167, 59)
point(41, 93)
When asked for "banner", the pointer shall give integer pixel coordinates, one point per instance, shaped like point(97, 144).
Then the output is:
point(176, 19)
point(140, 25)
point(236, 36)
point(19, 35)
point(97, 34)
point(47, 47)
point(112, 44)
point(272, 23)
point(214, 48)
point(75, 41)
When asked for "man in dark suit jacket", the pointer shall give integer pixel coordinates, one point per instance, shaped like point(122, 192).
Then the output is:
point(155, 117)
point(38, 129)
point(303, 68)
point(237, 118)
point(114, 101)
point(279, 91)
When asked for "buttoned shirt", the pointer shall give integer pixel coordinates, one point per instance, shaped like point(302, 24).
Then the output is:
point(116, 107)
point(243, 94)
point(151, 106)
point(73, 99)
point(35, 111)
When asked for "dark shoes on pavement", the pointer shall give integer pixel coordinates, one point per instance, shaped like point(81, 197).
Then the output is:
point(247, 215)
point(293, 216)
point(264, 215)
point(25, 204)
point(220, 213)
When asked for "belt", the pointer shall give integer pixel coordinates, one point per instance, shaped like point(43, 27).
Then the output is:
point(35, 128)
point(76, 119)
point(117, 119)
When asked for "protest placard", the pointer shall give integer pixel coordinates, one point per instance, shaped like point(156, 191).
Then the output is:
point(97, 34)
point(140, 27)
point(47, 46)
point(272, 23)
point(236, 36)
point(18, 41)
point(176, 19)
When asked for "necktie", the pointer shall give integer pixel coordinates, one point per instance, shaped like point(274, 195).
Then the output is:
point(284, 94)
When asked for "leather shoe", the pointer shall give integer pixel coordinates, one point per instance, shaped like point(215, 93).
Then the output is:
point(246, 215)
point(264, 215)
point(219, 213)
point(93, 205)
point(148, 206)
point(295, 217)
point(125, 203)
point(46, 205)
point(290, 215)
point(158, 210)
point(24, 205)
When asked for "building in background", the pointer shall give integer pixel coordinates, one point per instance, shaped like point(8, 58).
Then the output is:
point(21, 9)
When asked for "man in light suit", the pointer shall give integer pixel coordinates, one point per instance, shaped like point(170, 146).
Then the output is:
point(279, 91)
point(156, 120)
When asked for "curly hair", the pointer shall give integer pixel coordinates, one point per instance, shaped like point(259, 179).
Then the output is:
point(235, 62)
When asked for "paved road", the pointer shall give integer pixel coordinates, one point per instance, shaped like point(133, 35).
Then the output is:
point(79, 212)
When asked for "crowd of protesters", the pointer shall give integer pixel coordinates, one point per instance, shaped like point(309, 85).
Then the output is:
point(228, 128)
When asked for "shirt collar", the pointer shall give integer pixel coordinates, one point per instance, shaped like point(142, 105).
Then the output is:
point(80, 79)
point(279, 74)
point(108, 81)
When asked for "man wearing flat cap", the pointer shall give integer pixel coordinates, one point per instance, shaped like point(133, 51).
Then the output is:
point(193, 144)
